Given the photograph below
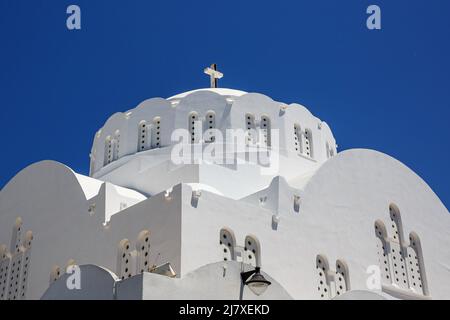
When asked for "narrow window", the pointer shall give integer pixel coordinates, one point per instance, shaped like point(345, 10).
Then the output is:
point(383, 252)
point(123, 268)
point(156, 133)
point(308, 143)
point(194, 124)
point(265, 131)
point(250, 128)
point(298, 145)
point(341, 279)
point(322, 270)
point(142, 136)
point(415, 265)
point(143, 251)
point(227, 243)
point(108, 151)
point(210, 126)
point(116, 145)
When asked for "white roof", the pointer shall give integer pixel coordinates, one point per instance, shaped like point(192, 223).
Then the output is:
point(92, 186)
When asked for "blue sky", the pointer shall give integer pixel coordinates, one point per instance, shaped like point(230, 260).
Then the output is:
point(387, 90)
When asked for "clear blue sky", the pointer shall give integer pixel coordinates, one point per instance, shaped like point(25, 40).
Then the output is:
point(386, 90)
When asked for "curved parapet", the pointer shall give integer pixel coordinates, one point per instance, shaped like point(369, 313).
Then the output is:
point(49, 170)
point(85, 282)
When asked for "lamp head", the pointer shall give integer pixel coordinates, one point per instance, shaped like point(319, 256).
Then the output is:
point(256, 281)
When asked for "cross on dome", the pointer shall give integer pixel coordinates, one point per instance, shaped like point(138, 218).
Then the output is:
point(214, 74)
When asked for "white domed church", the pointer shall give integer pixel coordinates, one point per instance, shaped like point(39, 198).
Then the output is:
point(222, 194)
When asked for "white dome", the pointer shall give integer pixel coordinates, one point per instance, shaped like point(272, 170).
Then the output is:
point(221, 91)
point(134, 149)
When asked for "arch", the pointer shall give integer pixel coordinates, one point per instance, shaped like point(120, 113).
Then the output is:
point(383, 251)
point(252, 251)
point(416, 267)
point(396, 223)
point(227, 242)
point(143, 251)
point(400, 263)
point(104, 288)
point(342, 277)
point(16, 236)
point(123, 270)
point(380, 230)
point(397, 250)
point(322, 270)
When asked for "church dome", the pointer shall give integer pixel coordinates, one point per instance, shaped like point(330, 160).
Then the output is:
point(143, 137)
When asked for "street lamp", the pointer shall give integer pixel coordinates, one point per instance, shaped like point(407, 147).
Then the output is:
point(255, 281)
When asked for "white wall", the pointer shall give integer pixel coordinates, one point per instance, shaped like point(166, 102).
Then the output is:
point(50, 201)
point(338, 208)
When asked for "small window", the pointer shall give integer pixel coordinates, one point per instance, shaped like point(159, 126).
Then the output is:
point(116, 146)
point(309, 144)
point(250, 128)
point(194, 124)
point(108, 150)
point(298, 140)
point(156, 133)
point(265, 128)
point(142, 136)
point(210, 126)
